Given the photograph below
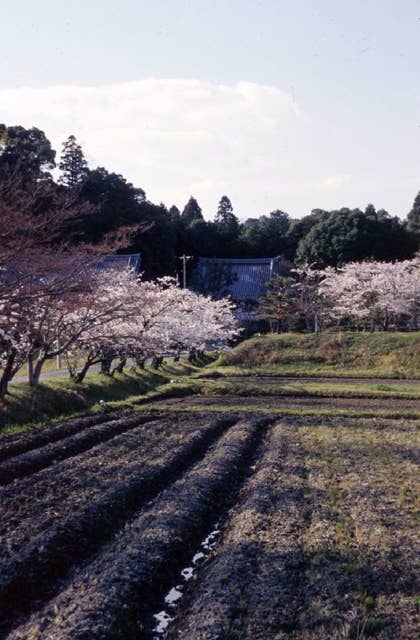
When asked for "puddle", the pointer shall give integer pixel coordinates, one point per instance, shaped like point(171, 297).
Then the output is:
point(162, 622)
point(164, 618)
point(174, 594)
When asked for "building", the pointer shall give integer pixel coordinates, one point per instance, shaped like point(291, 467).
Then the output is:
point(245, 280)
point(130, 261)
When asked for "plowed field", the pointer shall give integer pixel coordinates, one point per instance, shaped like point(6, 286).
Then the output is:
point(208, 527)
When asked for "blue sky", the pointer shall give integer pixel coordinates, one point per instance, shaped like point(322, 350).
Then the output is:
point(277, 104)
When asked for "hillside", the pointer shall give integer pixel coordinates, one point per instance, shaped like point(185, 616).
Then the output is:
point(381, 355)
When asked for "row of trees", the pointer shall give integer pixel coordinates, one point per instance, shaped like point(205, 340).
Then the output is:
point(104, 317)
point(326, 238)
point(365, 295)
point(56, 298)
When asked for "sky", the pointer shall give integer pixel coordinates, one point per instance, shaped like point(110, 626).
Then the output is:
point(276, 104)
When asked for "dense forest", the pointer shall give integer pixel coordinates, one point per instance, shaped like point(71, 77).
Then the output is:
point(162, 234)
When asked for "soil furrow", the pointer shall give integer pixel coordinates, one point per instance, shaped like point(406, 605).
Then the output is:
point(251, 587)
point(34, 504)
point(31, 573)
point(16, 444)
point(113, 596)
point(277, 403)
point(32, 461)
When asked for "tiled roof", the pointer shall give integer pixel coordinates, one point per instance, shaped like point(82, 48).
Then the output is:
point(120, 262)
point(106, 264)
point(250, 276)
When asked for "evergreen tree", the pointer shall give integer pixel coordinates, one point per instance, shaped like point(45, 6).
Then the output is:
point(73, 166)
point(226, 221)
point(174, 213)
point(192, 211)
point(278, 303)
point(27, 152)
point(370, 211)
point(352, 235)
point(413, 218)
point(267, 235)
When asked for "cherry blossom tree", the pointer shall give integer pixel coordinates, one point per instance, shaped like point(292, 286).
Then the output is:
point(309, 300)
point(373, 294)
point(158, 318)
point(45, 271)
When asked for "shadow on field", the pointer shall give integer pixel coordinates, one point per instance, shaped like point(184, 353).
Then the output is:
point(249, 593)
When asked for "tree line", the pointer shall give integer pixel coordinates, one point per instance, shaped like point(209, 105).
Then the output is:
point(365, 296)
point(162, 234)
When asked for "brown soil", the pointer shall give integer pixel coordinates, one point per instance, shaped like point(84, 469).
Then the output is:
point(277, 403)
point(317, 514)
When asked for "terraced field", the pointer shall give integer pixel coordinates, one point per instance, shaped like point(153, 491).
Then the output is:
point(205, 526)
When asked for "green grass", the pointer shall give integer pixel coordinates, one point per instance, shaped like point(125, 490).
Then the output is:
point(58, 398)
point(305, 389)
point(373, 355)
point(380, 355)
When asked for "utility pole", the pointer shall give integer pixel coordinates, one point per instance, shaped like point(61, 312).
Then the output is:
point(184, 259)
point(58, 358)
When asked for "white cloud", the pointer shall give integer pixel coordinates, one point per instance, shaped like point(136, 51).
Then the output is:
point(333, 183)
point(173, 137)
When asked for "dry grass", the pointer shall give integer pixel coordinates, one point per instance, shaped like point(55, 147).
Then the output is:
point(362, 538)
point(394, 355)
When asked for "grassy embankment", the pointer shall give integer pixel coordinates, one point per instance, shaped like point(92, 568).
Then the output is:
point(346, 355)
point(57, 398)
point(246, 371)
point(290, 369)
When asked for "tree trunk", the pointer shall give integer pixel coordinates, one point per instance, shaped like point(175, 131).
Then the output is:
point(106, 366)
point(34, 372)
point(157, 362)
point(7, 375)
point(120, 366)
point(79, 377)
point(4, 382)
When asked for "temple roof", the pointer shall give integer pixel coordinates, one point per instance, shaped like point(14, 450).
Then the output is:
point(246, 278)
point(120, 262)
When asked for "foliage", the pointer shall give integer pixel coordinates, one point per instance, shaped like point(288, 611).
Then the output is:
point(266, 236)
point(413, 218)
point(372, 294)
point(73, 166)
point(25, 152)
point(322, 238)
point(225, 221)
point(351, 235)
point(278, 303)
point(191, 212)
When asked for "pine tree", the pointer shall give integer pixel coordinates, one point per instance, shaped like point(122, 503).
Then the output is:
point(225, 220)
point(174, 213)
point(192, 211)
point(278, 304)
point(73, 166)
point(413, 218)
